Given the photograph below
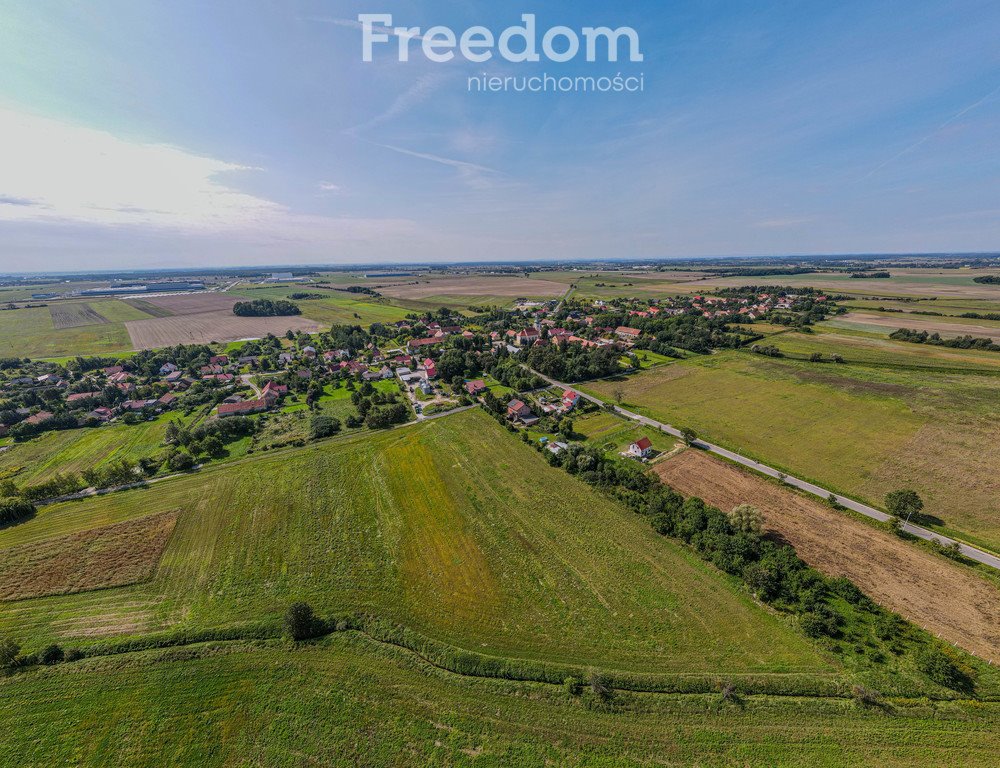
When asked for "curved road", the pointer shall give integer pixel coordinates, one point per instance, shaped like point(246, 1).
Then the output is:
point(979, 555)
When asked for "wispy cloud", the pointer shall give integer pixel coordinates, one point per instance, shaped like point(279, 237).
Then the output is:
point(355, 24)
point(923, 140)
point(420, 91)
point(328, 186)
point(783, 223)
point(474, 175)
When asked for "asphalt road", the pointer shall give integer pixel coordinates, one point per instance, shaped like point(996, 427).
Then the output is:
point(968, 551)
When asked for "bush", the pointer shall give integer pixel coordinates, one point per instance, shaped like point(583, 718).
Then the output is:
point(944, 668)
point(180, 461)
point(323, 426)
point(51, 654)
point(600, 686)
point(15, 510)
point(74, 654)
point(573, 686)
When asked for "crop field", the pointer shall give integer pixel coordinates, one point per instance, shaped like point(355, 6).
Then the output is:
point(31, 333)
point(451, 527)
point(614, 434)
point(948, 327)
point(347, 700)
point(476, 286)
point(943, 283)
point(208, 327)
point(98, 558)
point(192, 303)
point(74, 450)
point(859, 429)
point(860, 348)
point(946, 306)
point(946, 598)
point(74, 314)
point(147, 308)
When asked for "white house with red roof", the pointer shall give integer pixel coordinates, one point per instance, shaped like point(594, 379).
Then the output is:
point(641, 448)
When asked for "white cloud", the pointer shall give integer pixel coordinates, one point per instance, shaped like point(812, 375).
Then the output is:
point(54, 173)
point(329, 186)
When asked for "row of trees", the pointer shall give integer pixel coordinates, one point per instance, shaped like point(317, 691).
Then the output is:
point(266, 308)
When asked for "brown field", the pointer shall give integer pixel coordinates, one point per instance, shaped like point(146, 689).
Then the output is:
point(945, 598)
point(113, 556)
point(477, 286)
point(205, 327)
point(191, 303)
point(947, 328)
point(73, 315)
point(152, 310)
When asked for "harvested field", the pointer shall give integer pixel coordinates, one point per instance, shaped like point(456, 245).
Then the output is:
point(150, 309)
point(113, 556)
point(947, 327)
point(945, 598)
point(477, 286)
point(73, 315)
point(188, 303)
point(205, 327)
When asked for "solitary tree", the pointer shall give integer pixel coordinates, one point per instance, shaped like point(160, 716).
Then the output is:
point(300, 621)
point(903, 503)
point(688, 435)
point(619, 395)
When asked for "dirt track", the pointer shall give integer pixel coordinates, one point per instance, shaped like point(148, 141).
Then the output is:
point(945, 598)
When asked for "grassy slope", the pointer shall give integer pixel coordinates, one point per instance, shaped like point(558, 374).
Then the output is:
point(451, 527)
point(862, 429)
point(347, 701)
point(75, 450)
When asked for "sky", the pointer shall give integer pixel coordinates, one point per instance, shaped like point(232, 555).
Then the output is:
point(140, 134)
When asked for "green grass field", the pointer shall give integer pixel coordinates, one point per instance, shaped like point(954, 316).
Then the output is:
point(452, 527)
point(75, 450)
point(350, 701)
point(900, 416)
point(31, 333)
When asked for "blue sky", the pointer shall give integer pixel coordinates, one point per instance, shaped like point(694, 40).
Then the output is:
point(188, 133)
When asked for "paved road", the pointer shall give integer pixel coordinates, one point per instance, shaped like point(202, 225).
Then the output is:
point(980, 556)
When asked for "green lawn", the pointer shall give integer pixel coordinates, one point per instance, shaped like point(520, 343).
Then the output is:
point(864, 429)
point(452, 527)
point(348, 701)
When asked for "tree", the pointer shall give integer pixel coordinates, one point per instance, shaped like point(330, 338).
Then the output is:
point(746, 518)
point(15, 510)
point(213, 446)
point(619, 395)
point(8, 652)
point(688, 435)
point(51, 654)
point(323, 426)
point(601, 686)
point(903, 503)
point(301, 623)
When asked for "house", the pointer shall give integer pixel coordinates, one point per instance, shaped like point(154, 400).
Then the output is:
point(251, 360)
point(518, 410)
point(111, 370)
point(285, 358)
point(48, 379)
point(372, 376)
point(101, 414)
point(569, 400)
point(641, 448)
point(426, 388)
point(242, 409)
point(211, 370)
point(167, 400)
point(39, 418)
point(167, 368)
point(309, 352)
point(173, 378)
point(629, 334)
point(527, 336)
point(430, 369)
point(273, 392)
point(304, 373)
point(414, 344)
point(476, 387)
point(78, 396)
point(219, 360)
point(556, 447)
